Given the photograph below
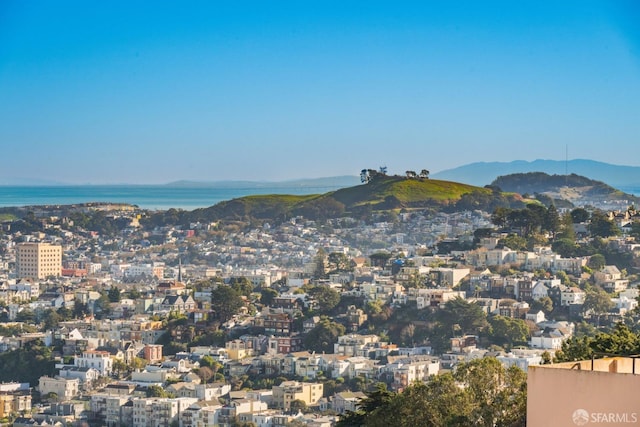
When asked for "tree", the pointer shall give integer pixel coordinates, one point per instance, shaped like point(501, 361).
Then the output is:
point(325, 297)
point(602, 226)
point(469, 316)
point(505, 330)
point(621, 341)
point(500, 217)
point(298, 406)
point(320, 267)
point(564, 247)
point(134, 293)
point(597, 262)
point(205, 373)
point(339, 262)
point(579, 215)
point(380, 259)
point(566, 228)
point(597, 302)
point(226, 302)
point(102, 306)
point(267, 296)
point(114, 294)
point(157, 391)
point(498, 394)
point(80, 309)
point(119, 366)
point(515, 242)
point(28, 363)
point(545, 304)
point(551, 220)
point(574, 349)
point(323, 336)
point(480, 393)
point(242, 285)
point(51, 319)
point(380, 397)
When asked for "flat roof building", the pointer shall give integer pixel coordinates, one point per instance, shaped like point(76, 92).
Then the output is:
point(38, 260)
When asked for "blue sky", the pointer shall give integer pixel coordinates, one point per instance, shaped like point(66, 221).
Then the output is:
point(153, 92)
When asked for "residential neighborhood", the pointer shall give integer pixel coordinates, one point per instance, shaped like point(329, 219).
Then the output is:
point(287, 323)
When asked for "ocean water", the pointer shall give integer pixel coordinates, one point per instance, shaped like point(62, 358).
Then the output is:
point(154, 197)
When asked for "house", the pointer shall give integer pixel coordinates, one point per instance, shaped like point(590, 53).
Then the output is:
point(288, 391)
point(353, 344)
point(535, 317)
point(178, 303)
point(346, 401)
point(62, 388)
point(539, 290)
point(610, 279)
point(309, 324)
point(86, 375)
point(552, 335)
point(205, 392)
point(572, 295)
point(14, 398)
point(284, 345)
point(99, 360)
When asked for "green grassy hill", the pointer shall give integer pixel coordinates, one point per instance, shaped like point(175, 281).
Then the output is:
point(407, 191)
point(380, 195)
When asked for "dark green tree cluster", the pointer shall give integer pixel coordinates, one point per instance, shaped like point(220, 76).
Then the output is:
point(225, 302)
point(483, 200)
point(325, 297)
point(320, 209)
point(339, 262)
point(601, 226)
point(242, 285)
point(27, 364)
point(532, 219)
point(100, 222)
point(478, 393)
point(507, 332)
point(621, 341)
point(459, 317)
point(323, 336)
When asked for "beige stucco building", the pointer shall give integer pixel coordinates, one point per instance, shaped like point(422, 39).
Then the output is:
point(38, 260)
point(288, 391)
point(599, 392)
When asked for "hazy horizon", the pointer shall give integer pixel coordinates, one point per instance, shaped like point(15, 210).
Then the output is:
point(125, 93)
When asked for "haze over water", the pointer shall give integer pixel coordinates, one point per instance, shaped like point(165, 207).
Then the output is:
point(158, 197)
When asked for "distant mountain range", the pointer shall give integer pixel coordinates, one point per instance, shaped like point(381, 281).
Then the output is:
point(477, 174)
point(483, 173)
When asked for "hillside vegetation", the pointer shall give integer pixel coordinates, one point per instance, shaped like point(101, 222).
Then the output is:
point(565, 187)
point(409, 192)
point(383, 193)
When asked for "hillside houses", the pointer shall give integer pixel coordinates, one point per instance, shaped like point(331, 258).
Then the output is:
point(143, 323)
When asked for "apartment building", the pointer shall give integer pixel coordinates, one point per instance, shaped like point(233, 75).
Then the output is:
point(63, 388)
point(288, 391)
point(38, 260)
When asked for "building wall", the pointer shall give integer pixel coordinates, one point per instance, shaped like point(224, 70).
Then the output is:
point(64, 388)
point(570, 394)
